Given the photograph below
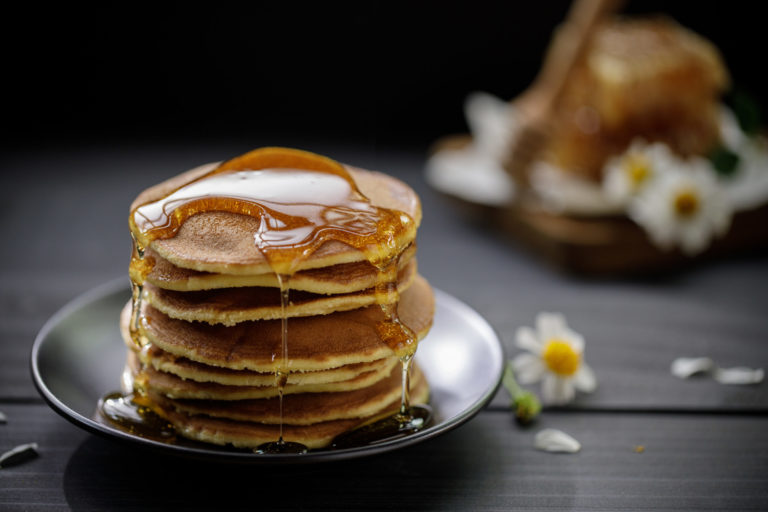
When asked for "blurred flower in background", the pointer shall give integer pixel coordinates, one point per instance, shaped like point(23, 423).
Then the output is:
point(630, 173)
point(683, 206)
point(642, 158)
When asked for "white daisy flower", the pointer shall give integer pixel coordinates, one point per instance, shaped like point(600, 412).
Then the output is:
point(683, 206)
point(556, 357)
point(629, 173)
point(475, 172)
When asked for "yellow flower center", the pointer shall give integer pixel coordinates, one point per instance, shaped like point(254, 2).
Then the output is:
point(686, 203)
point(638, 169)
point(560, 357)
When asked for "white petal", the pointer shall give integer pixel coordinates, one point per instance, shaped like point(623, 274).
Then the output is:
point(556, 391)
point(549, 325)
point(553, 440)
point(528, 368)
point(526, 339)
point(564, 391)
point(720, 218)
point(615, 183)
point(684, 367)
point(564, 192)
point(730, 132)
point(491, 121)
point(575, 339)
point(695, 237)
point(585, 379)
point(740, 375)
point(548, 394)
point(469, 174)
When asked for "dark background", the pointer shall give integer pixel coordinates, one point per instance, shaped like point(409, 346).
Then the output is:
point(369, 73)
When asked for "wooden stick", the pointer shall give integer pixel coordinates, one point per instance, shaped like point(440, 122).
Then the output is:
point(538, 104)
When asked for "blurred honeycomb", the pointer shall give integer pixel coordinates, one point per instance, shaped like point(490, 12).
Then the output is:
point(644, 78)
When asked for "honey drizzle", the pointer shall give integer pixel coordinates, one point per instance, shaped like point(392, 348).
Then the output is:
point(281, 374)
point(281, 371)
point(405, 392)
point(134, 413)
point(137, 290)
point(289, 232)
point(398, 336)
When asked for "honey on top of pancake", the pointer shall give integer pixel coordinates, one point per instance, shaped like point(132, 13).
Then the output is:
point(296, 202)
point(301, 201)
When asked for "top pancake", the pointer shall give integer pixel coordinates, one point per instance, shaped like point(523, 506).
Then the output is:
point(222, 242)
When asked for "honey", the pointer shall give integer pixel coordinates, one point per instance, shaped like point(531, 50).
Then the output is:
point(301, 201)
point(133, 414)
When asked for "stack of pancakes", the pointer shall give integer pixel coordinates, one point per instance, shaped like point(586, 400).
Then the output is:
point(210, 328)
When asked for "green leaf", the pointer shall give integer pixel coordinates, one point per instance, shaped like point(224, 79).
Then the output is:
point(724, 161)
point(746, 110)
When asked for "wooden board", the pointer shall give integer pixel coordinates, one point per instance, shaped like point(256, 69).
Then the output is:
point(618, 246)
point(688, 462)
point(603, 246)
point(705, 444)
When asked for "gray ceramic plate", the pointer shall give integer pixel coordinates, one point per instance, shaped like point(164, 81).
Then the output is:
point(78, 357)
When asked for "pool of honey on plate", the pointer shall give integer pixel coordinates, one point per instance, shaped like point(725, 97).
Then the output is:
point(299, 209)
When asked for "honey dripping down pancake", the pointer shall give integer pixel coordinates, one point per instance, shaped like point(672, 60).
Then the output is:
point(300, 211)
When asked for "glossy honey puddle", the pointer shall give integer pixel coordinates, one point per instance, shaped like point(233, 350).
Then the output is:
point(298, 211)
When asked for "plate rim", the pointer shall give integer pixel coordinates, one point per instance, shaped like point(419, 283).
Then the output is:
point(221, 454)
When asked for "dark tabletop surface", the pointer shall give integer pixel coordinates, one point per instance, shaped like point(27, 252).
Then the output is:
point(64, 231)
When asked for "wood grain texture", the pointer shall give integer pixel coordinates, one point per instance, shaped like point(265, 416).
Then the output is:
point(690, 462)
point(705, 444)
point(607, 246)
point(634, 328)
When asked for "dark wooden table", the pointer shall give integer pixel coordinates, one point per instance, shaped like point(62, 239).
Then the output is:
point(64, 230)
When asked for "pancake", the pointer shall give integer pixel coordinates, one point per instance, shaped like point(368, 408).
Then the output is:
point(314, 343)
point(229, 306)
point(190, 370)
point(251, 435)
point(342, 278)
point(222, 242)
point(173, 386)
point(229, 359)
point(301, 408)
